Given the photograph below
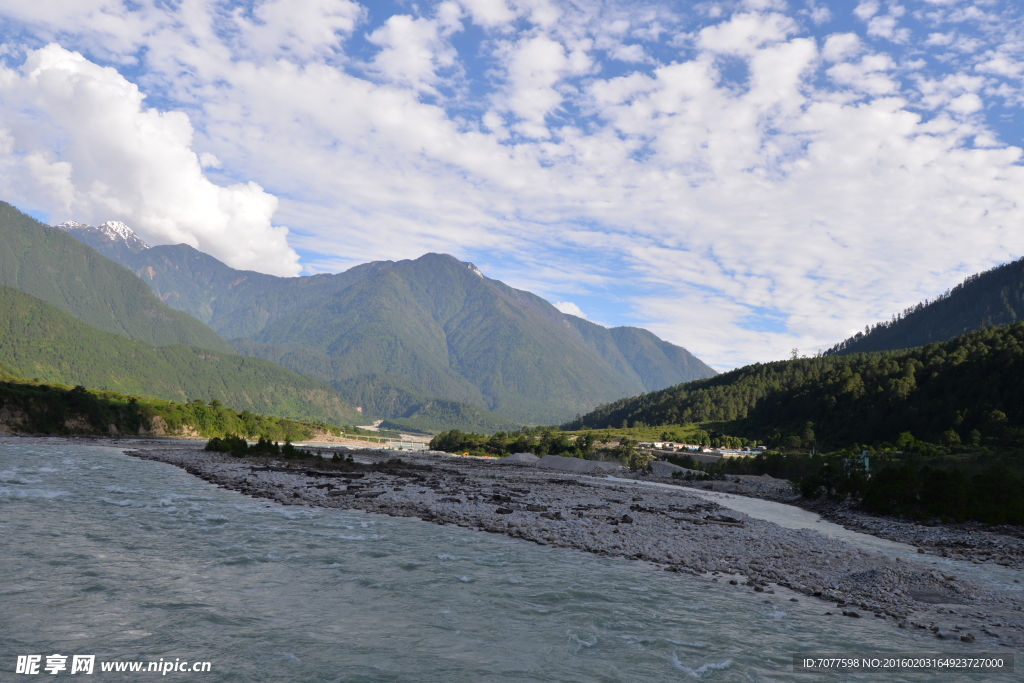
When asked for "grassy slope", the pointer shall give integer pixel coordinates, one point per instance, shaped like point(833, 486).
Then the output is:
point(62, 271)
point(40, 341)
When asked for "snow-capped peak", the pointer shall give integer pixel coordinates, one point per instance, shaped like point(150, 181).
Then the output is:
point(114, 231)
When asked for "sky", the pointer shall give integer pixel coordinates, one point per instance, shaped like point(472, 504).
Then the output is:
point(741, 178)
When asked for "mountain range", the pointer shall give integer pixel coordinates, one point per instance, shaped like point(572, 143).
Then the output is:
point(408, 340)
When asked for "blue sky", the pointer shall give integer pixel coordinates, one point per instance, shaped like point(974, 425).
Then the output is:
point(742, 178)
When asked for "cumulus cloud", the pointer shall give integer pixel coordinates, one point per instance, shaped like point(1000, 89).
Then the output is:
point(80, 144)
point(569, 308)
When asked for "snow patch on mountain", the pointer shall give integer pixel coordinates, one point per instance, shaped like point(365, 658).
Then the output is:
point(112, 230)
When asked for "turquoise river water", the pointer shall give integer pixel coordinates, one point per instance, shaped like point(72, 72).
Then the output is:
point(134, 560)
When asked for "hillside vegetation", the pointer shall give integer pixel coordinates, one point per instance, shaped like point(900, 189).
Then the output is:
point(965, 390)
point(40, 341)
point(60, 270)
point(35, 408)
point(995, 297)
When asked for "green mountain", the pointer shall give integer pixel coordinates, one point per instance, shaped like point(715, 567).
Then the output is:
point(964, 390)
point(393, 336)
point(995, 297)
point(60, 270)
point(40, 341)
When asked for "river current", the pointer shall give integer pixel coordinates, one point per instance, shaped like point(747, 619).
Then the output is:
point(136, 560)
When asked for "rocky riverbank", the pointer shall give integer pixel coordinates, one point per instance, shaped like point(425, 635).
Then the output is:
point(969, 541)
point(680, 532)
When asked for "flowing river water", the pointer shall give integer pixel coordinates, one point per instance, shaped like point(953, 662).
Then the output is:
point(129, 560)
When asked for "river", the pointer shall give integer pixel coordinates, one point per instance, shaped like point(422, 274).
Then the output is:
point(137, 560)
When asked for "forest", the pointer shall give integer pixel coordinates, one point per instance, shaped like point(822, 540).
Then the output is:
point(539, 441)
point(37, 408)
point(965, 391)
point(918, 480)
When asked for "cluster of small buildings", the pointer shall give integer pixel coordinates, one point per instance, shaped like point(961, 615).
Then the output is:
point(686, 448)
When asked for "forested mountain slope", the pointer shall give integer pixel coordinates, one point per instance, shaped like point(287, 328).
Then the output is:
point(951, 391)
point(995, 297)
point(60, 270)
point(392, 336)
point(40, 341)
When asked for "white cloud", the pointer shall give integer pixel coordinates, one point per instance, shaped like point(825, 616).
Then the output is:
point(535, 66)
point(940, 38)
point(412, 50)
point(821, 14)
point(841, 46)
point(866, 9)
point(887, 27)
point(628, 53)
point(300, 28)
point(744, 34)
point(967, 103)
point(81, 133)
point(870, 75)
point(569, 308)
point(955, 92)
point(735, 176)
point(489, 13)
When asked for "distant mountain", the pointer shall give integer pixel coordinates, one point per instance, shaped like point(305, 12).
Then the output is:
point(392, 336)
point(55, 267)
point(995, 297)
point(42, 342)
point(438, 415)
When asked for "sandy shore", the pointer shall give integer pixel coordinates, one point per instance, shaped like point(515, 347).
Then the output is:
point(671, 528)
